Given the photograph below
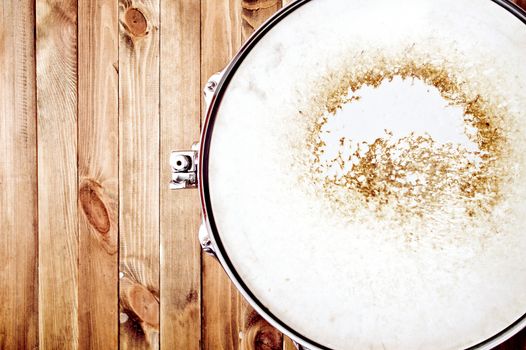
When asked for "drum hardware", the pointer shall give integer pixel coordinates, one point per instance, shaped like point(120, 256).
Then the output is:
point(211, 87)
point(206, 241)
point(187, 173)
point(184, 169)
point(184, 163)
point(184, 173)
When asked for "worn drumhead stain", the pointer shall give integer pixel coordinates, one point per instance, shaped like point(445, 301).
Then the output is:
point(411, 176)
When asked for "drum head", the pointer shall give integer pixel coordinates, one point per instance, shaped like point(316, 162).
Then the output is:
point(363, 172)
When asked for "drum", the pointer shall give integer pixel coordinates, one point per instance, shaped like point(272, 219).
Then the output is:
point(362, 170)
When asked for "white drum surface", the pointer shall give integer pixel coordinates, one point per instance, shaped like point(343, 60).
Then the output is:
point(367, 172)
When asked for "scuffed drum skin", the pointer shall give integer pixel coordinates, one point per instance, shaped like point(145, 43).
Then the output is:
point(412, 180)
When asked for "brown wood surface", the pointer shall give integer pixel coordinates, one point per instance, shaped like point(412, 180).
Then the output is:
point(288, 344)
point(139, 173)
point(220, 38)
point(521, 3)
point(18, 178)
point(97, 253)
point(98, 180)
point(180, 210)
point(56, 62)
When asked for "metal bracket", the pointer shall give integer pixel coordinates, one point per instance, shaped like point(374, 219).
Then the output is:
point(184, 168)
point(184, 163)
point(206, 241)
point(211, 87)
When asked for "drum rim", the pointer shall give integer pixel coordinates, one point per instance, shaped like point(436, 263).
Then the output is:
point(203, 184)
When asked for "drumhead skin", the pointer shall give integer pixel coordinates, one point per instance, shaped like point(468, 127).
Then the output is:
point(363, 170)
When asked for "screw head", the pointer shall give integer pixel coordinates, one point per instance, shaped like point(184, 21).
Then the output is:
point(181, 163)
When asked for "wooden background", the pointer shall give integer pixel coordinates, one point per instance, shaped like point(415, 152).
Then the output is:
point(95, 251)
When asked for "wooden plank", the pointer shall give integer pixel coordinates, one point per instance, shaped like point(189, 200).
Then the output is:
point(56, 54)
point(98, 151)
point(257, 334)
point(228, 321)
point(288, 344)
point(220, 39)
point(255, 12)
point(521, 3)
point(18, 177)
point(139, 174)
point(518, 342)
point(180, 210)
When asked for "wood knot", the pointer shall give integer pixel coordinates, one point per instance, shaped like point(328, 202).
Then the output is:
point(192, 297)
point(136, 22)
point(93, 207)
point(268, 338)
point(260, 335)
point(144, 304)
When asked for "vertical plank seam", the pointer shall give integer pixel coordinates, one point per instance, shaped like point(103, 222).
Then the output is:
point(200, 70)
point(159, 166)
point(200, 218)
point(201, 303)
point(200, 204)
point(37, 131)
point(77, 342)
point(78, 177)
point(118, 176)
point(38, 176)
point(37, 218)
point(118, 209)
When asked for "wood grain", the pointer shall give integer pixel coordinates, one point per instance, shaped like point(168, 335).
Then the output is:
point(521, 3)
point(180, 210)
point(98, 152)
point(257, 334)
point(228, 321)
point(56, 54)
point(255, 13)
point(221, 305)
point(288, 344)
point(18, 177)
point(139, 173)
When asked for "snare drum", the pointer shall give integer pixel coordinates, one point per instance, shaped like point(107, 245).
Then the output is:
point(362, 170)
